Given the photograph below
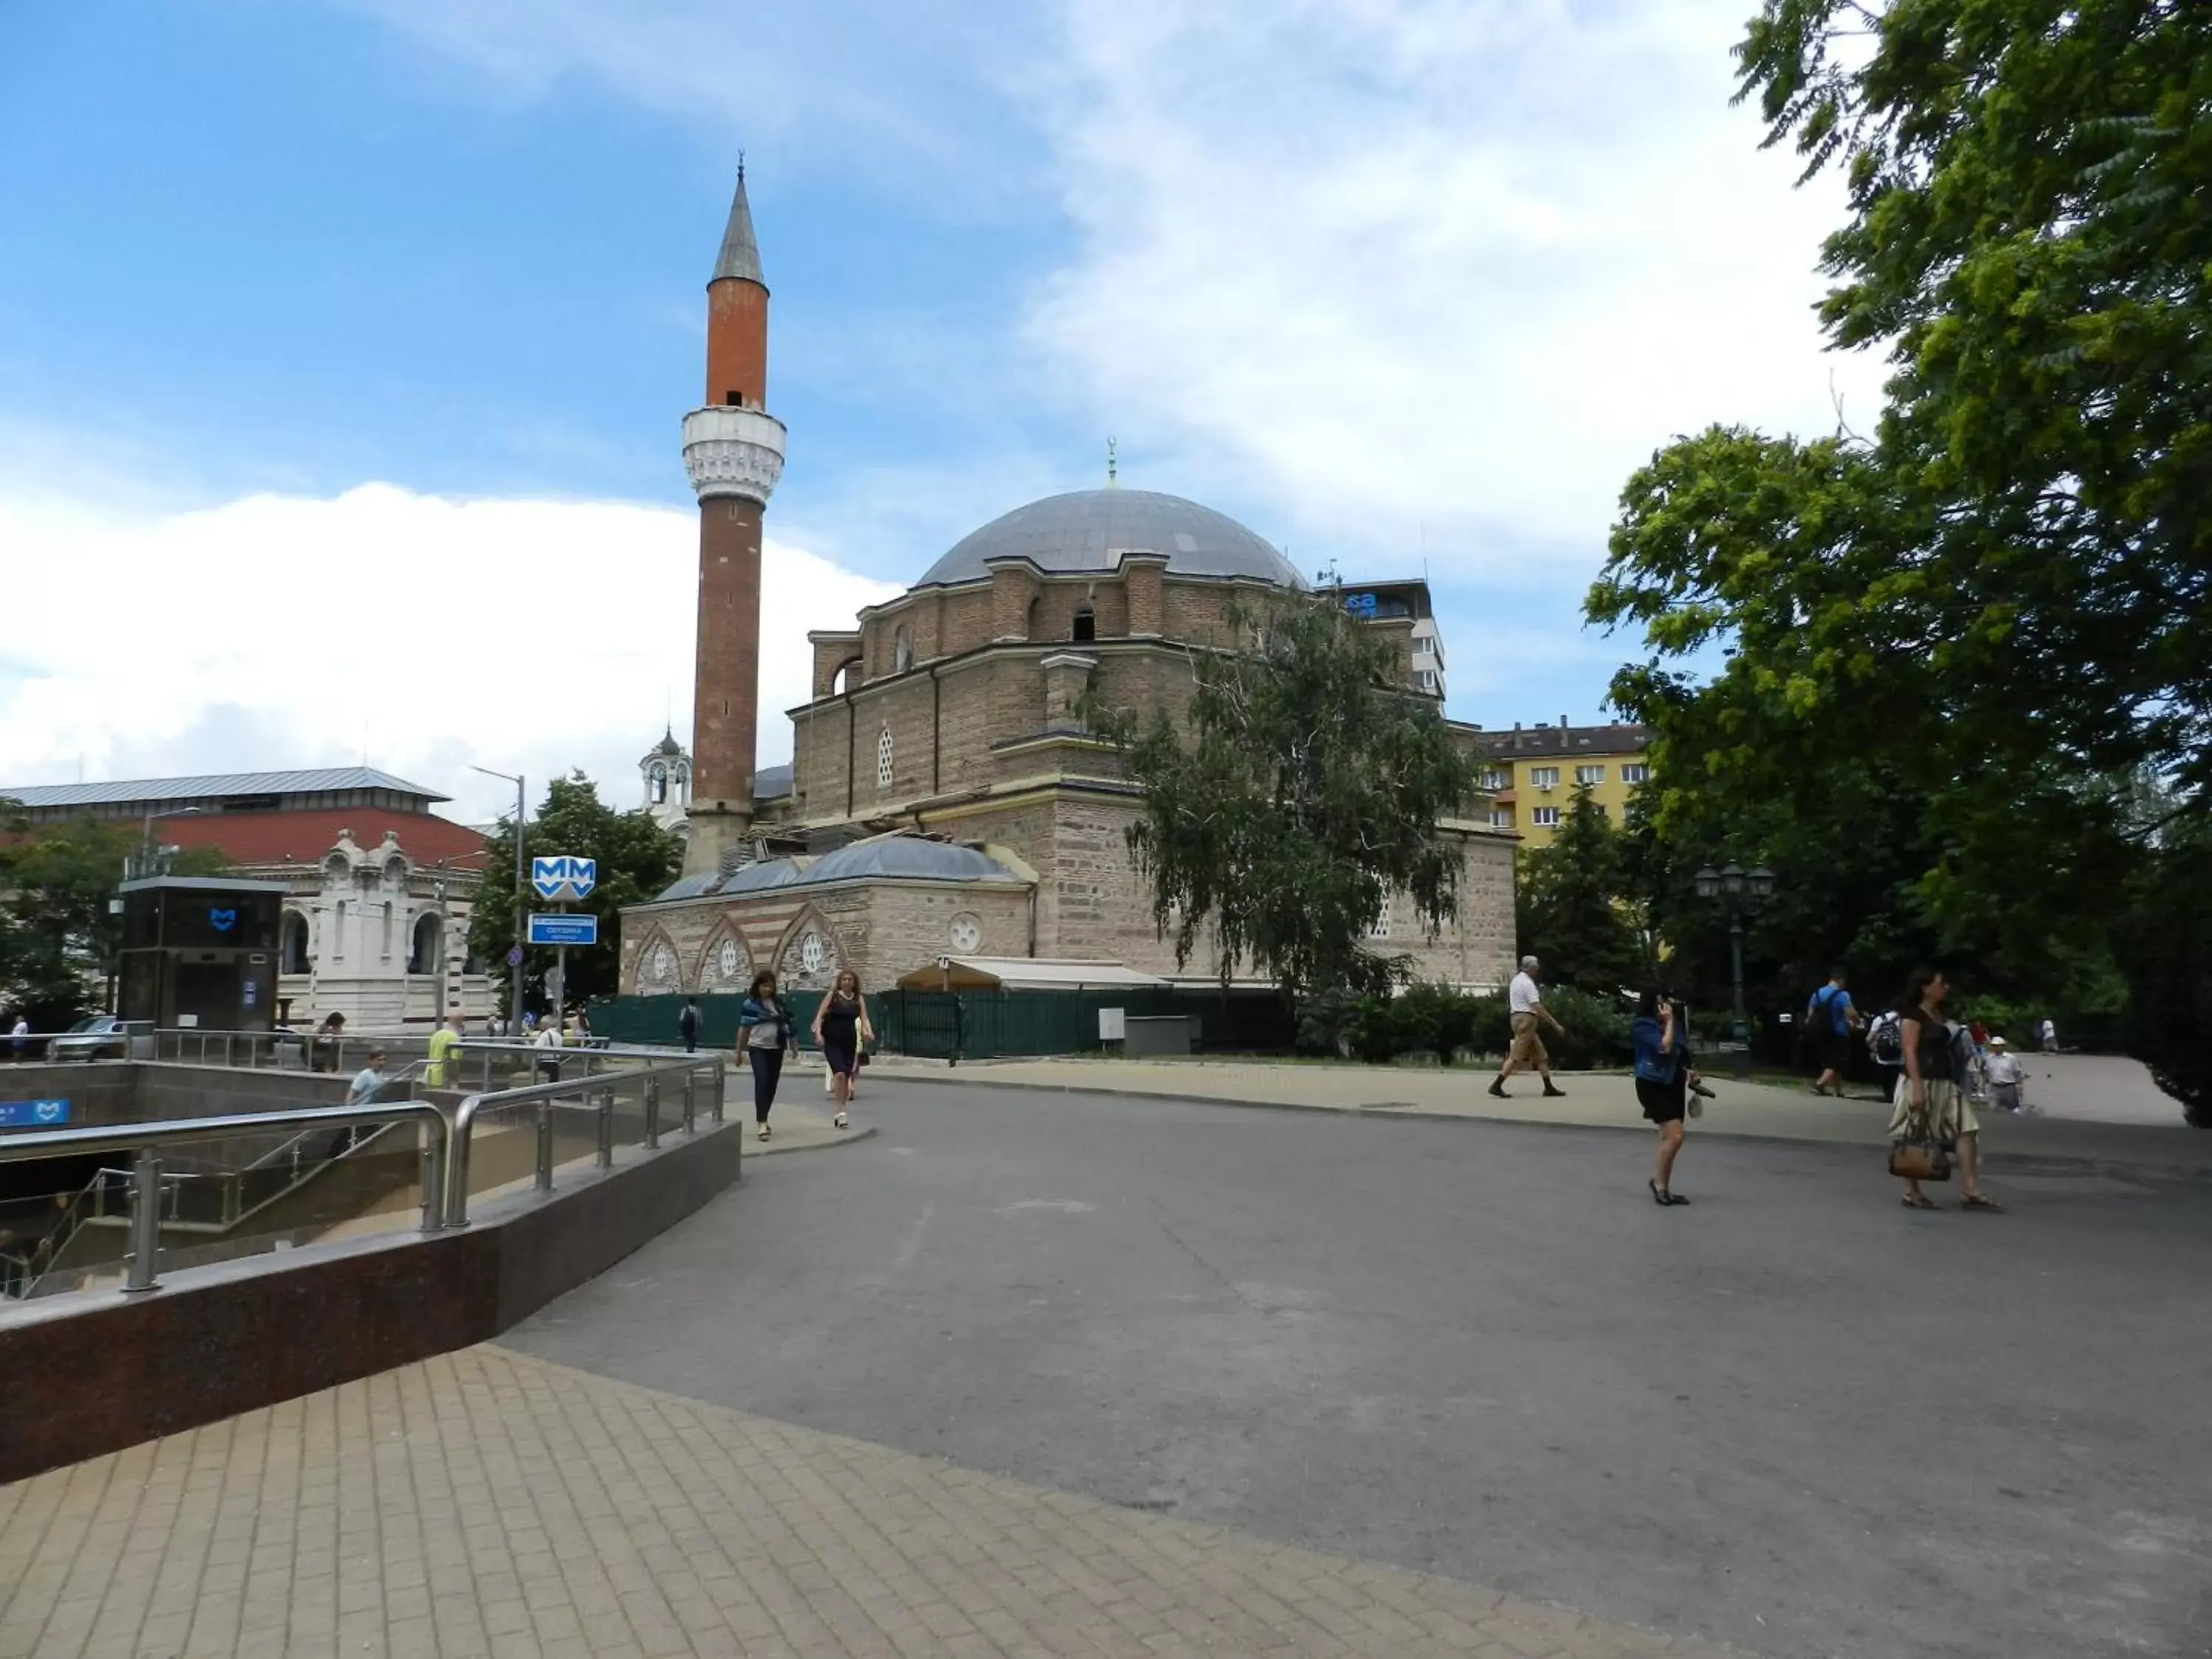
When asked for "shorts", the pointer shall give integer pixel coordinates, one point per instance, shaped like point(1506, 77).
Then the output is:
point(1527, 1048)
point(1662, 1103)
point(1832, 1049)
point(1947, 1110)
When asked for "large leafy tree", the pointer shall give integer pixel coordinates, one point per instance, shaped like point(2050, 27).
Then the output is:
point(1956, 645)
point(1301, 789)
point(637, 859)
point(58, 940)
point(1572, 905)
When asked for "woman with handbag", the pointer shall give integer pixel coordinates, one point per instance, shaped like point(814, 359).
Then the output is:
point(841, 1026)
point(1931, 1117)
point(1663, 1080)
point(764, 1036)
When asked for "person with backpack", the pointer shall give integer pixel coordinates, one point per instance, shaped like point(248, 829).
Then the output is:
point(687, 1024)
point(1830, 1019)
point(1931, 1100)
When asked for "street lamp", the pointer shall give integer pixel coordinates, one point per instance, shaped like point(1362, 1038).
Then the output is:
point(521, 900)
point(145, 856)
point(1741, 891)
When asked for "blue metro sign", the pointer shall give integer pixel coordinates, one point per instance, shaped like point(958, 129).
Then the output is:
point(563, 877)
point(33, 1114)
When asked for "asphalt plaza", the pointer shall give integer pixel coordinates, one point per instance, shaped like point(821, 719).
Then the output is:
point(1790, 1417)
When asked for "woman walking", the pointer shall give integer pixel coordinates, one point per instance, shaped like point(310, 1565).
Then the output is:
point(1663, 1080)
point(1931, 1104)
point(841, 1026)
point(764, 1034)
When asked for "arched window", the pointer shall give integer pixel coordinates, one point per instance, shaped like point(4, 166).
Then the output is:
point(902, 651)
point(1086, 625)
point(883, 760)
point(683, 784)
point(428, 944)
point(657, 785)
point(293, 956)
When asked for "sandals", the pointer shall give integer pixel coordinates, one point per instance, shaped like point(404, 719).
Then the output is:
point(1982, 1202)
point(1665, 1201)
point(1920, 1201)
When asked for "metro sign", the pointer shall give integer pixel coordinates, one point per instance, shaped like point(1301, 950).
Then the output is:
point(563, 877)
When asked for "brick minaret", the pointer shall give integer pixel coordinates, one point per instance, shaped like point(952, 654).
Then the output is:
point(733, 450)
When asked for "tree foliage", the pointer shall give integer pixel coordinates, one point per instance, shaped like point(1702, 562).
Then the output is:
point(1956, 648)
point(637, 860)
point(1303, 789)
point(58, 940)
point(1570, 902)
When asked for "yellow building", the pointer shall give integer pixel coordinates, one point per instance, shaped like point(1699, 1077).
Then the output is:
point(1533, 773)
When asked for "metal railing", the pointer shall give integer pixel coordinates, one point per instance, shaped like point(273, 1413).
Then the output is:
point(342, 1055)
point(140, 1139)
point(446, 1152)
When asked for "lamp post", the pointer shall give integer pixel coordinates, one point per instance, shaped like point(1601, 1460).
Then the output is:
point(1742, 891)
point(521, 900)
point(146, 853)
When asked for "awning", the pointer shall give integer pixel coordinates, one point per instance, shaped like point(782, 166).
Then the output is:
point(1027, 974)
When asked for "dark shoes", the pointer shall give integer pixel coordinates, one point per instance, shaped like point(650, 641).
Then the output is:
point(1498, 1088)
point(1665, 1200)
point(1550, 1093)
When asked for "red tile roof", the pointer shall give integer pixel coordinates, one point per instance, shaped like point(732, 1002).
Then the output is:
point(305, 837)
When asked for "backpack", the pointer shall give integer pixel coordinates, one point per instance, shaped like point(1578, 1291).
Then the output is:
point(1884, 1039)
point(1826, 1009)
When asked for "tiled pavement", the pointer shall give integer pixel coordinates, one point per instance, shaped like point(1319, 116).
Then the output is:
point(488, 1503)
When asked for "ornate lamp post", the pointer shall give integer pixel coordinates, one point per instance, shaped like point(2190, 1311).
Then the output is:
point(1742, 891)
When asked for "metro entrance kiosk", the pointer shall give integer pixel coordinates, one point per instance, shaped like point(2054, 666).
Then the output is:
point(200, 951)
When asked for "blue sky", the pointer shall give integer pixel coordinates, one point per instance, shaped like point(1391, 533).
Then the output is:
point(1394, 282)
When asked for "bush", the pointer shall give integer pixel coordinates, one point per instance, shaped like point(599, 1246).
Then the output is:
point(1454, 1025)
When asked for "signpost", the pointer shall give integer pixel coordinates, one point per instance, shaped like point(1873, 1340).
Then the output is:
point(563, 880)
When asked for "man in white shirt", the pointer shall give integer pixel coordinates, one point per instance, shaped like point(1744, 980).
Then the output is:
point(2004, 1070)
point(1525, 1004)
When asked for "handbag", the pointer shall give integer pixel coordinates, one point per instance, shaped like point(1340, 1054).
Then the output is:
point(1918, 1154)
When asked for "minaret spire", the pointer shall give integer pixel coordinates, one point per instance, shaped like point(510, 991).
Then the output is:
point(739, 259)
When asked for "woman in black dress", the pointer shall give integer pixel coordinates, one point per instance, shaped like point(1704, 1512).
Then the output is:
point(841, 1026)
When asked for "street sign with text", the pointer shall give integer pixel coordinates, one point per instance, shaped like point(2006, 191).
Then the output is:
point(581, 928)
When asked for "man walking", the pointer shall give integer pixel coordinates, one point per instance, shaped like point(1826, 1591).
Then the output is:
point(687, 1025)
point(445, 1048)
point(1525, 1003)
point(1830, 1019)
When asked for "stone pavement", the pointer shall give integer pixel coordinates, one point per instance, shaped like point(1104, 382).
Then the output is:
point(1592, 1100)
point(488, 1503)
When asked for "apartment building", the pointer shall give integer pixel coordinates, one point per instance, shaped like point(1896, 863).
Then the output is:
point(1532, 772)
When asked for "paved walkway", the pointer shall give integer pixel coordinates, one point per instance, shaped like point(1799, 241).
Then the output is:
point(488, 1503)
point(1592, 1100)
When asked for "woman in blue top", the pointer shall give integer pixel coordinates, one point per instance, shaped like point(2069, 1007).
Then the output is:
point(764, 1036)
point(1663, 1079)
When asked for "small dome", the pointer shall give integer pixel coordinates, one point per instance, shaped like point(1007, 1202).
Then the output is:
point(909, 857)
point(1091, 529)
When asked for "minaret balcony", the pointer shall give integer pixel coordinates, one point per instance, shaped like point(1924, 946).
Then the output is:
point(732, 451)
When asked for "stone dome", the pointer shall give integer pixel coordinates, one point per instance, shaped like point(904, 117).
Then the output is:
point(1091, 529)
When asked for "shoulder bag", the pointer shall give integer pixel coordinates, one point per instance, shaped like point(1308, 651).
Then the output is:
point(1919, 1154)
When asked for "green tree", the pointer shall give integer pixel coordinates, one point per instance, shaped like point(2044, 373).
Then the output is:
point(1953, 647)
point(58, 940)
point(1571, 903)
point(1301, 789)
point(637, 860)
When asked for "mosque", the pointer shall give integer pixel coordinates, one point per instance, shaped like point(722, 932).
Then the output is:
point(946, 810)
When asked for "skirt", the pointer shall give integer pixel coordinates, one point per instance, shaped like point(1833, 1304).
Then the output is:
point(1948, 1114)
point(1664, 1102)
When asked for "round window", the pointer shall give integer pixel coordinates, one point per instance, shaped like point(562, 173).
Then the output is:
point(726, 959)
point(664, 963)
point(967, 932)
point(810, 952)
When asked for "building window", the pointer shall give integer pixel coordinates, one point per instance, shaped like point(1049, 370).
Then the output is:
point(1543, 777)
point(883, 760)
point(1495, 780)
point(660, 790)
point(1086, 625)
point(430, 945)
point(1590, 775)
point(902, 651)
point(1501, 817)
point(1635, 772)
point(294, 943)
point(1544, 818)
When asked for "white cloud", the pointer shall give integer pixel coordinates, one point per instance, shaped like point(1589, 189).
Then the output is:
point(1420, 264)
point(425, 632)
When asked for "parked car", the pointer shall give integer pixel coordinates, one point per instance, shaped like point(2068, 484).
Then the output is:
point(99, 1038)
